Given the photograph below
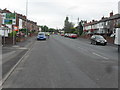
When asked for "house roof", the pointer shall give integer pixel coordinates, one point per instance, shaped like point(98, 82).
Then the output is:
point(116, 16)
point(104, 19)
point(6, 11)
point(91, 23)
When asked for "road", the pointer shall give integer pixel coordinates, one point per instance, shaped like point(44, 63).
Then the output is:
point(61, 62)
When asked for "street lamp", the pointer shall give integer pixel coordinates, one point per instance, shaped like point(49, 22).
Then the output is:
point(26, 17)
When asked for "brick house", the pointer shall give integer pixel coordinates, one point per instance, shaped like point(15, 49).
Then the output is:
point(106, 26)
point(90, 27)
point(22, 22)
point(113, 22)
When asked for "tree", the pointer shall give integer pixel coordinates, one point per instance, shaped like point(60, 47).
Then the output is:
point(80, 28)
point(68, 26)
point(44, 28)
point(51, 30)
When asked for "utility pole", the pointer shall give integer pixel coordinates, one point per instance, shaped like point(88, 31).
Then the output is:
point(78, 26)
point(4, 37)
point(13, 35)
point(26, 17)
point(118, 24)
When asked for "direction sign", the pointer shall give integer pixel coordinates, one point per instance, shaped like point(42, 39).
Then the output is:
point(10, 16)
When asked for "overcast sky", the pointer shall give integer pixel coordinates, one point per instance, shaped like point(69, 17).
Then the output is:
point(53, 12)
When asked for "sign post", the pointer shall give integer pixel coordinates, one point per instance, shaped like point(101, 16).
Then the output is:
point(4, 38)
point(10, 19)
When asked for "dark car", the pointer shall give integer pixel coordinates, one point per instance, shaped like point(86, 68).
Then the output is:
point(98, 39)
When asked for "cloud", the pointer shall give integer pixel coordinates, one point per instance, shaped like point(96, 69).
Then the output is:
point(53, 12)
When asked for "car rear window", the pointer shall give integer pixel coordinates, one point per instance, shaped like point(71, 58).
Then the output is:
point(99, 37)
point(41, 34)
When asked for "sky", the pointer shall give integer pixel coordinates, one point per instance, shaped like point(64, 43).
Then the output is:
point(53, 12)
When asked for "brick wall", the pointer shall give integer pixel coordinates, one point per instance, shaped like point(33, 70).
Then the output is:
point(8, 40)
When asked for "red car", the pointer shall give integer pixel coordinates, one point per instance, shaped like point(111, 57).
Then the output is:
point(73, 36)
point(62, 34)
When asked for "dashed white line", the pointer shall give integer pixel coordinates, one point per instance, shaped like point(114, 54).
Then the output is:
point(100, 56)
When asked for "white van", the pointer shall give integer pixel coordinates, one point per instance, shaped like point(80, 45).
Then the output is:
point(117, 38)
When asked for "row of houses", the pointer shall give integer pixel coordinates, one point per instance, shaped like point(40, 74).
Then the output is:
point(105, 26)
point(21, 22)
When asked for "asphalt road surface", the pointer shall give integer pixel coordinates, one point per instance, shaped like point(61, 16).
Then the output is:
point(61, 62)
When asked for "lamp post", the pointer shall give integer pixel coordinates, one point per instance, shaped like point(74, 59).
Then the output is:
point(26, 17)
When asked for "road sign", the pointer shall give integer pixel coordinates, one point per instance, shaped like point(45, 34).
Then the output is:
point(10, 16)
point(7, 21)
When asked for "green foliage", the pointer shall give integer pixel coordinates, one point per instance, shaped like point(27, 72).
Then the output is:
point(44, 28)
point(119, 25)
point(24, 30)
point(80, 32)
point(80, 28)
point(47, 29)
point(51, 30)
point(13, 33)
point(72, 30)
point(75, 32)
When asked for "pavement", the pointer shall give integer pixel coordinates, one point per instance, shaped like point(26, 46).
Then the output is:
point(61, 62)
point(12, 54)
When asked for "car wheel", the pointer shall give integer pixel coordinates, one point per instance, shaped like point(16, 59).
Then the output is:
point(104, 44)
point(95, 43)
point(91, 43)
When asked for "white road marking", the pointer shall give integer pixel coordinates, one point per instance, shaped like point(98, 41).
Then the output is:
point(15, 46)
point(22, 48)
point(100, 56)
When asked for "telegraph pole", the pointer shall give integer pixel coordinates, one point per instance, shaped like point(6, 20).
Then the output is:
point(78, 26)
point(26, 17)
point(119, 29)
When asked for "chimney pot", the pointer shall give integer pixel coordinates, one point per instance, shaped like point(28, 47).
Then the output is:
point(111, 14)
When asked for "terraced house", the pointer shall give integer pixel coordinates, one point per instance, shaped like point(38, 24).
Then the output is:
point(106, 26)
point(20, 23)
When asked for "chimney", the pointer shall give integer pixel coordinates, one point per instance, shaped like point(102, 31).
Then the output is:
point(111, 14)
point(102, 17)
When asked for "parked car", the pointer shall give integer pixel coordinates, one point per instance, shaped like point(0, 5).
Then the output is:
point(41, 36)
point(98, 39)
point(62, 34)
point(66, 35)
point(72, 35)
